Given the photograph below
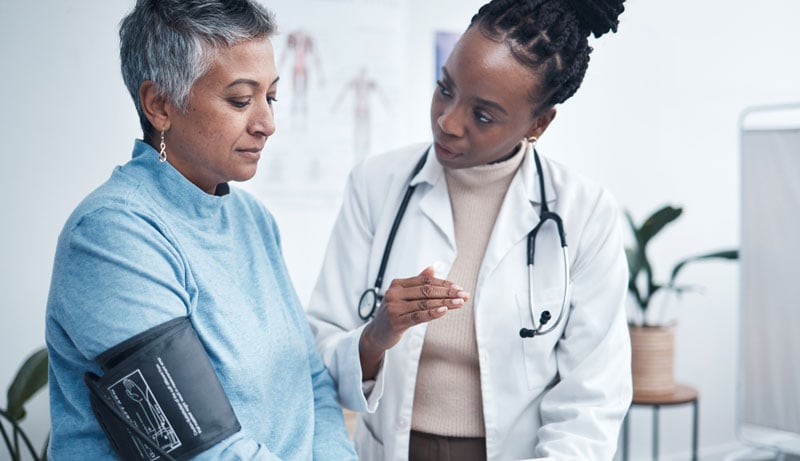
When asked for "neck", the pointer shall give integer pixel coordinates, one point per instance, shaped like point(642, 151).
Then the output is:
point(507, 156)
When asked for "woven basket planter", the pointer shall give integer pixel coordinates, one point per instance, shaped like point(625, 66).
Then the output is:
point(653, 359)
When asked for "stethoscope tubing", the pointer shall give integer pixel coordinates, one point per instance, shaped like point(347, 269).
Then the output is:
point(544, 216)
point(376, 289)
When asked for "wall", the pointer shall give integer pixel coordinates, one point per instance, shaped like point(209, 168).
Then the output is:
point(655, 121)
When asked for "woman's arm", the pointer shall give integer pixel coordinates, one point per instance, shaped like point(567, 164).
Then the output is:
point(116, 274)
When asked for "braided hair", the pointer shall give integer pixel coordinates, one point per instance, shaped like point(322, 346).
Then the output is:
point(550, 37)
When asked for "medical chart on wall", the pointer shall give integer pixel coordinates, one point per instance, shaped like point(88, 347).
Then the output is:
point(341, 70)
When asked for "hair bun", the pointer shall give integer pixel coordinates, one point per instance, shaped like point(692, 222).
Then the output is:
point(598, 16)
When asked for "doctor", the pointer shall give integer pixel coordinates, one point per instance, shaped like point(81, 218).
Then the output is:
point(459, 359)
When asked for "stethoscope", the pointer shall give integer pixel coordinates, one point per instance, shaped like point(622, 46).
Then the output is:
point(372, 298)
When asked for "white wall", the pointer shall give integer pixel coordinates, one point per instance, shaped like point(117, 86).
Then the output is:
point(655, 121)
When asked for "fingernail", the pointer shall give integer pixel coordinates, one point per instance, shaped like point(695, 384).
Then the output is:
point(458, 301)
point(441, 309)
point(457, 287)
point(462, 294)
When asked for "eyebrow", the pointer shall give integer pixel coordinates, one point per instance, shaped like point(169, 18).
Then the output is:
point(249, 82)
point(485, 102)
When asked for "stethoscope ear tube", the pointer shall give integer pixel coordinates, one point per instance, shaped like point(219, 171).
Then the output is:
point(372, 296)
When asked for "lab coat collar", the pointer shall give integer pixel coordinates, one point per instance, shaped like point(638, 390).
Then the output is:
point(519, 213)
point(435, 202)
point(530, 179)
point(432, 172)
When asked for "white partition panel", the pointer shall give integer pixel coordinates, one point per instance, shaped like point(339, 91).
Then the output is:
point(769, 379)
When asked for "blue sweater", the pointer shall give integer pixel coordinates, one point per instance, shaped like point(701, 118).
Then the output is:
point(148, 246)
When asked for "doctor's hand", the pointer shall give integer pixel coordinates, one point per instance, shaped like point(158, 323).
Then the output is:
point(406, 303)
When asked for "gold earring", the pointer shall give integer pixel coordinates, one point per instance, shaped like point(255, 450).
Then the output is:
point(162, 156)
point(532, 139)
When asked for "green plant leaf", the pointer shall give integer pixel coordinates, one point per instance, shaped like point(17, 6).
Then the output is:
point(726, 254)
point(30, 378)
point(655, 223)
point(634, 263)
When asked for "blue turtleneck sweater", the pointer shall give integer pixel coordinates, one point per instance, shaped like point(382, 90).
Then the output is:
point(149, 246)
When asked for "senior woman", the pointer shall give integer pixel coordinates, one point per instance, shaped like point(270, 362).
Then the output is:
point(165, 242)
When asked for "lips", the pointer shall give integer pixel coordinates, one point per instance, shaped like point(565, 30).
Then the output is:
point(252, 153)
point(444, 152)
point(255, 150)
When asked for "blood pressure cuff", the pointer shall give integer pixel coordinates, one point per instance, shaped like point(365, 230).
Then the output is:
point(159, 396)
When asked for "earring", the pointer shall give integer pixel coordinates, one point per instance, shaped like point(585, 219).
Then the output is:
point(532, 139)
point(162, 156)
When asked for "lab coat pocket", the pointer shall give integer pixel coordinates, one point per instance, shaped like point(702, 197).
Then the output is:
point(368, 443)
point(539, 351)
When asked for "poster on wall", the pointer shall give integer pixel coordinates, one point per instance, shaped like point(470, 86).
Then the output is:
point(341, 72)
point(445, 41)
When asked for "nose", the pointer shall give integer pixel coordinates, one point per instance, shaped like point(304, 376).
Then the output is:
point(263, 120)
point(449, 122)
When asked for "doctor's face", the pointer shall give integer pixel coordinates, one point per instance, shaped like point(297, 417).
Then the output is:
point(482, 107)
point(219, 137)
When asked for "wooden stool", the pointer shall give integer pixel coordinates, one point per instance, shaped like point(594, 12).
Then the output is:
point(683, 394)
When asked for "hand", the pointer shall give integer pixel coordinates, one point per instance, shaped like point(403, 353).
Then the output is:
point(406, 303)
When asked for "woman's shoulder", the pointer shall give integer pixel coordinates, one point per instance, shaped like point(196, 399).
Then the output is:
point(569, 181)
point(119, 193)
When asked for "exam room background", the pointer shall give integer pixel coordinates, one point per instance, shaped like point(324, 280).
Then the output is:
point(655, 121)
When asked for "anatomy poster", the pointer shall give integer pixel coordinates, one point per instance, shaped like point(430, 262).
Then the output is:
point(445, 41)
point(341, 67)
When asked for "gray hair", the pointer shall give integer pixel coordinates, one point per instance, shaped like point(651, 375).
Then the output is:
point(174, 42)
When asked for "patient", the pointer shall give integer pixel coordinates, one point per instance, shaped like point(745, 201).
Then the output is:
point(167, 238)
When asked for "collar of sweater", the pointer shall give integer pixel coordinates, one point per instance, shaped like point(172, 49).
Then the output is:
point(489, 175)
point(172, 188)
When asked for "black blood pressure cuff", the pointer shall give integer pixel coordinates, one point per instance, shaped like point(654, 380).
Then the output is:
point(159, 396)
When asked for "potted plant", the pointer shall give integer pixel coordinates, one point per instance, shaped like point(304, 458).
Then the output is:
point(30, 378)
point(653, 340)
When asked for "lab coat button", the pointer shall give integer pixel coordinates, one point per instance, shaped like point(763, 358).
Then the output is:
point(402, 424)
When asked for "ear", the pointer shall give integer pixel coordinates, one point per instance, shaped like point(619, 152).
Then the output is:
point(541, 123)
point(154, 106)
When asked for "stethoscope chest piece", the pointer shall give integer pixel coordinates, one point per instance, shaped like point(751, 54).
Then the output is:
point(370, 301)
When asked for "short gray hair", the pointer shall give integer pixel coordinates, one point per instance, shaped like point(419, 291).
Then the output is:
point(174, 42)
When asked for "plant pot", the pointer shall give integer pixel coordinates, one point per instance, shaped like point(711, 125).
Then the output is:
point(653, 359)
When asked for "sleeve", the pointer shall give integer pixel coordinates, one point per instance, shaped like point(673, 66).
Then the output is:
point(121, 274)
point(331, 440)
point(332, 311)
point(582, 414)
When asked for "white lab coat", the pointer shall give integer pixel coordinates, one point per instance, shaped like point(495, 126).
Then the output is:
point(562, 395)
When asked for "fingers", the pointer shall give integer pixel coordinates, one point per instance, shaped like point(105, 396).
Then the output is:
point(426, 292)
point(428, 304)
point(422, 316)
point(426, 277)
point(422, 298)
point(424, 286)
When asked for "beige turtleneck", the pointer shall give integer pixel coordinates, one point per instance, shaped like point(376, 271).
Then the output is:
point(447, 399)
